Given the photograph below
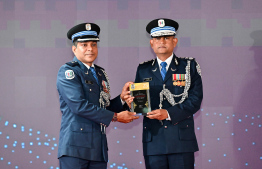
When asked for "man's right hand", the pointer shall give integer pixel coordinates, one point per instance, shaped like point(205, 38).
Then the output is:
point(126, 117)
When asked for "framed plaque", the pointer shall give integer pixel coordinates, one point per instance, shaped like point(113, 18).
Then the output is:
point(141, 103)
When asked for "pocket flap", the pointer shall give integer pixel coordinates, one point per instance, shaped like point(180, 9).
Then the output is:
point(81, 127)
point(184, 126)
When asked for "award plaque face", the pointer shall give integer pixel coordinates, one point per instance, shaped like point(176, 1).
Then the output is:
point(141, 103)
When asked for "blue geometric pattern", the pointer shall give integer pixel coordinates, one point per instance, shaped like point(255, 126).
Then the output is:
point(165, 28)
point(94, 33)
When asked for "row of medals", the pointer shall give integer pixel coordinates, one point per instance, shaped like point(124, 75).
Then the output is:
point(179, 83)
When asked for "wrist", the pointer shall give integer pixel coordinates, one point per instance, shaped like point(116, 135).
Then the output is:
point(121, 97)
point(167, 115)
point(114, 117)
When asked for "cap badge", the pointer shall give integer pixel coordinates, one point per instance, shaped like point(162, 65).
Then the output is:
point(88, 27)
point(161, 23)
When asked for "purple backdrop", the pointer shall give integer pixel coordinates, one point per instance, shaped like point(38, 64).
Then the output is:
point(225, 37)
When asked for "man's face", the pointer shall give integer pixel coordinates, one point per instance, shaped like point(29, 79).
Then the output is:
point(163, 45)
point(86, 52)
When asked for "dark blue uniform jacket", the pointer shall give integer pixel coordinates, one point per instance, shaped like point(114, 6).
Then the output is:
point(177, 135)
point(82, 132)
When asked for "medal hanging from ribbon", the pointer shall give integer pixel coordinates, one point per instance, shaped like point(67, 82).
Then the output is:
point(179, 79)
point(105, 86)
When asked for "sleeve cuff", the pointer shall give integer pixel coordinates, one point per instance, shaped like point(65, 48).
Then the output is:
point(168, 118)
point(122, 101)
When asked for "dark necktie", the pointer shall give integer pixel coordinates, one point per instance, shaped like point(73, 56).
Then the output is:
point(163, 69)
point(94, 74)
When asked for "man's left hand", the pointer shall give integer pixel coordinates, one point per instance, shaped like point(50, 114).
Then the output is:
point(159, 114)
point(125, 95)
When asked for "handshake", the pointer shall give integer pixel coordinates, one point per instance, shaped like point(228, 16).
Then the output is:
point(126, 116)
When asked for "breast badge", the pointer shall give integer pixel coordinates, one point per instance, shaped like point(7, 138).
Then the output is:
point(179, 79)
point(105, 86)
point(104, 99)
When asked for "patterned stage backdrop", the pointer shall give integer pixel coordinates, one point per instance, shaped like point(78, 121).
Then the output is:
point(224, 36)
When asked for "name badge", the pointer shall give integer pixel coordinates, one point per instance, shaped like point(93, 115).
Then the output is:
point(147, 79)
point(88, 82)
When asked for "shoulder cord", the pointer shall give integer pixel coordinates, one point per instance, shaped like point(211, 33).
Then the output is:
point(170, 97)
point(104, 99)
point(198, 69)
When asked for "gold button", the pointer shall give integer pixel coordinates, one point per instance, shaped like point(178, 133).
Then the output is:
point(90, 90)
point(81, 129)
point(165, 126)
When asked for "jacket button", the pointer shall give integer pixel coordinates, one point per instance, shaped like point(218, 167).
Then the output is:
point(90, 90)
point(145, 127)
point(165, 126)
point(81, 128)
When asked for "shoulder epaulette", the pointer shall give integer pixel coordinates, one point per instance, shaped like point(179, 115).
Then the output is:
point(149, 61)
point(187, 58)
point(99, 67)
point(73, 63)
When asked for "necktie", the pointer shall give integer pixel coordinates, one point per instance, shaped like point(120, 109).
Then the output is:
point(94, 74)
point(163, 69)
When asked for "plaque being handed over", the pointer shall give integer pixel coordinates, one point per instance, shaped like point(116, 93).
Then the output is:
point(141, 103)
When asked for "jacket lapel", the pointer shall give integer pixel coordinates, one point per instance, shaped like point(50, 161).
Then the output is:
point(155, 70)
point(82, 66)
point(88, 72)
point(172, 69)
point(99, 74)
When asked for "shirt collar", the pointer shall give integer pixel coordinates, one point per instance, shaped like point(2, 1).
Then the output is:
point(88, 67)
point(168, 61)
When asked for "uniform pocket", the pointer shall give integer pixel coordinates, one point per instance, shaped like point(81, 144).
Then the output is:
point(80, 134)
point(186, 131)
point(147, 137)
point(91, 87)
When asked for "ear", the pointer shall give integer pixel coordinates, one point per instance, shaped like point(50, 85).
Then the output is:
point(151, 43)
point(175, 40)
point(73, 49)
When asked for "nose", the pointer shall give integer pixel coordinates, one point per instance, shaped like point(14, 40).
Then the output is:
point(162, 40)
point(89, 48)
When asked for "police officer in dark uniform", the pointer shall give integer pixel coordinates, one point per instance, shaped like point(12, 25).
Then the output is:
point(169, 140)
point(87, 110)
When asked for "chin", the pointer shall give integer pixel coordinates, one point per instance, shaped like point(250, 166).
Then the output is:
point(90, 61)
point(162, 52)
